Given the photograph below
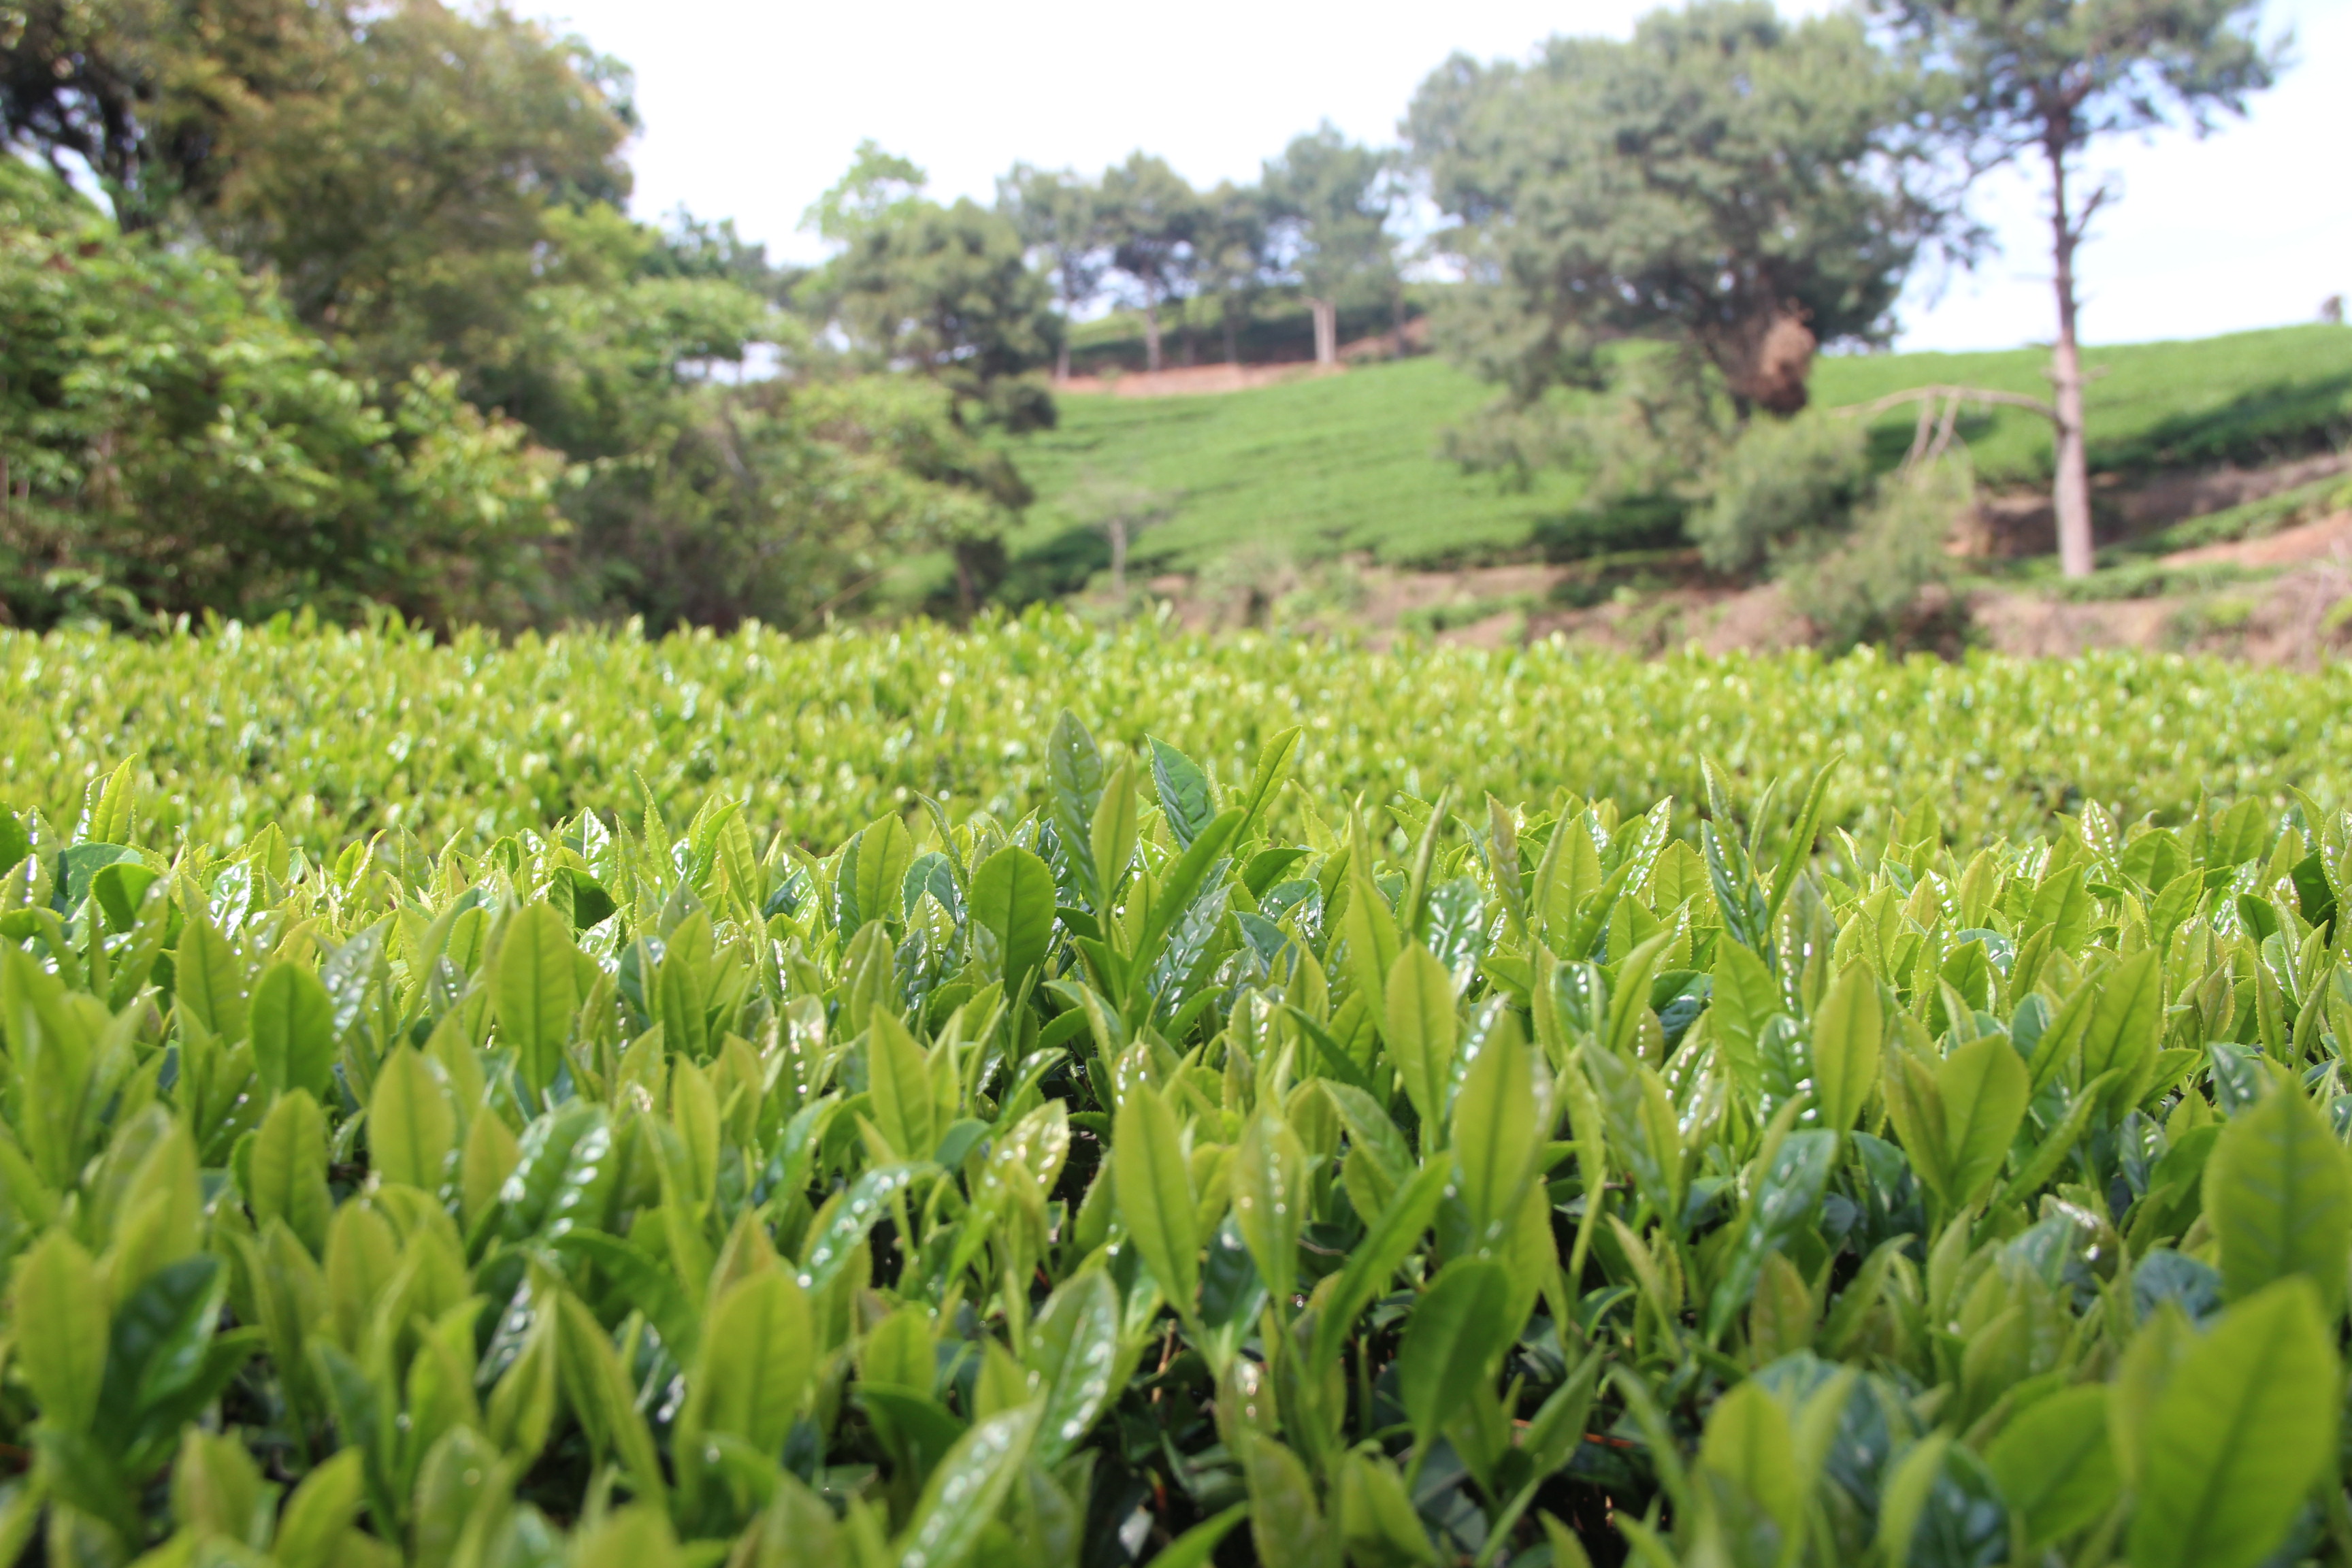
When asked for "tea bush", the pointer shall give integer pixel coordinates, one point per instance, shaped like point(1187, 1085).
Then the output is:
point(1180, 1168)
point(331, 735)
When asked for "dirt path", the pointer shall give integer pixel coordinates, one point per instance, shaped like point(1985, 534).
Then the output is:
point(2300, 616)
point(2328, 539)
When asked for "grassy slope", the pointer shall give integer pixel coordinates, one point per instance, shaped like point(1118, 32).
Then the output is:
point(1343, 462)
point(1312, 467)
point(2243, 397)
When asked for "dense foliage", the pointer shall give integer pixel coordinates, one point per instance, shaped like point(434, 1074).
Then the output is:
point(339, 734)
point(367, 327)
point(1725, 181)
point(333, 735)
point(171, 440)
point(1138, 1180)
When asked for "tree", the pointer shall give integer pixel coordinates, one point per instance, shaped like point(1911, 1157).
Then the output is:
point(1152, 218)
point(948, 291)
point(1056, 213)
point(1120, 509)
point(945, 291)
point(612, 333)
point(2044, 78)
point(148, 95)
point(1727, 181)
point(1331, 207)
point(394, 165)
point(1236, 255)
point(406, 203)
point(172, 441)
point(878, 184)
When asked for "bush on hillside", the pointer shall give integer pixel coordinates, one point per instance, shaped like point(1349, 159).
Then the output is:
point(1781, 479)
point(1865, 587)
point(1797, 498)
point(786, 501)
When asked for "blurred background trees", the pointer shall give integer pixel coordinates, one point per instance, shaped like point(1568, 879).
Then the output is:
point(1731, 187)
point(2043, 82)
point(330, 303)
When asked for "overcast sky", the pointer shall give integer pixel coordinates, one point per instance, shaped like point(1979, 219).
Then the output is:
point(750, 110)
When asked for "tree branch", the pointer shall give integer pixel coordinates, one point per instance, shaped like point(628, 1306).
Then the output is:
point(1957, 394)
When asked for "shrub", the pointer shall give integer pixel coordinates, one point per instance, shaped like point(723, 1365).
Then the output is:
point(334, 736)
point(1861, 588)
point(1134, 1174)
point(788, 500)
point(1783, 481)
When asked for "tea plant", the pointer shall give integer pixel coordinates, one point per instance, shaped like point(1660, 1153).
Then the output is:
point(333, 735)
point(1142, 1178)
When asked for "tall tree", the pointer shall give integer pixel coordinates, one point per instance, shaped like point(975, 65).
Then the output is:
point(948, 291)
point(1235, 250)
point(409, 202)
point(1330, 201)
point(150, 96)
point(2044, 78)
point(1734, 183)
point(1056, 213)
point(386, 162)
point(1152, 216)
point(877, 184)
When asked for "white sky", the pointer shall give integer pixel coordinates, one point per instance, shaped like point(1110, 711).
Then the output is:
point(753, 109)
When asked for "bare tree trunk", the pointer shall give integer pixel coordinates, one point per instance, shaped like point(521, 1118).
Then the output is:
point(1191, 333)
point(1151, 336)
point(2071, 488)
point(967, 591)
point(1061, 361)
point(1118, 559)
point(1233, 335)
point(1326, 331)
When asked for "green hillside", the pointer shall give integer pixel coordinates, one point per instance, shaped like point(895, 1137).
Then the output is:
point(1317, 467)
point(1313, 468)
point(2247, 397)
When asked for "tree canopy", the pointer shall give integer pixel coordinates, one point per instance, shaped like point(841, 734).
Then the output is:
point(1329, 203)
point(946, 291)
point(1727, 180)
point(368, 324)
point(2044, 78)
point(1154, 217)
point(1058, 216)
point(171, 440)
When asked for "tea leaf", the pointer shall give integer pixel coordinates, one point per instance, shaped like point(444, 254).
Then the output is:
point(293, 1030)
point(1012, 902)
point(2244, 1426)
point(1155, 1193)
point(1458, 1329)
point(2278, 1192)
point(966, 1490)
point(537, 990)
point(1847, 1033)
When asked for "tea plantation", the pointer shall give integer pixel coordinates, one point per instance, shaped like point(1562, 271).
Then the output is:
point(1040, 1097)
